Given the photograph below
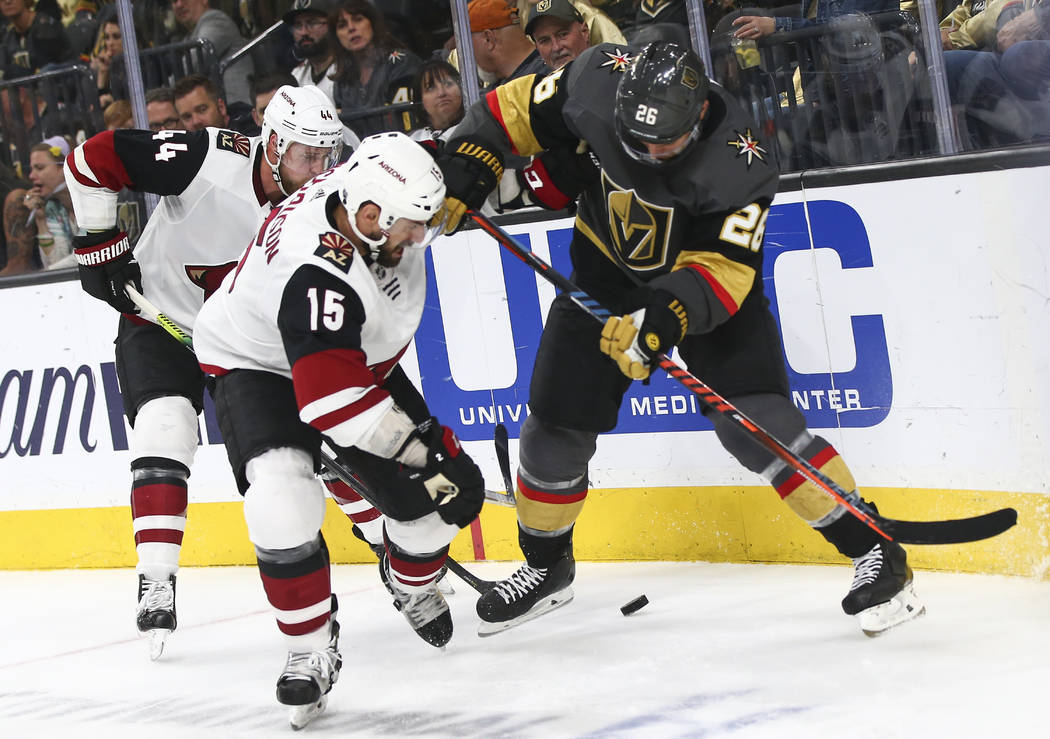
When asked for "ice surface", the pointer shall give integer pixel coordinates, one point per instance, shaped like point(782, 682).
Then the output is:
point(721, 650)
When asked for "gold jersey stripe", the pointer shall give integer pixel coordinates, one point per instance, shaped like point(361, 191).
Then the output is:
point(512, 111)
point(735, 278)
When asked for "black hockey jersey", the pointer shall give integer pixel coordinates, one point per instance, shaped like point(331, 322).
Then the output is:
point(693, 226)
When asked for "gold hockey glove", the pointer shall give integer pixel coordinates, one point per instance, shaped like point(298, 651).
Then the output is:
point(663, 323)
point(472, 168)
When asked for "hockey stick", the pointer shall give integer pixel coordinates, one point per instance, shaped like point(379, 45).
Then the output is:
point(502, 441)
point(358, 486)
point(955, 531)
point(344, 473)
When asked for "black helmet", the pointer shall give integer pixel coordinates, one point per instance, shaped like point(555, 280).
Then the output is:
point(659, 98)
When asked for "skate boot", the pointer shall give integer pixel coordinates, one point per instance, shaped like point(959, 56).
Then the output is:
point(308, 677)
point(528, 593)
point(426, 612)
point(155, 616)
point(882, 594)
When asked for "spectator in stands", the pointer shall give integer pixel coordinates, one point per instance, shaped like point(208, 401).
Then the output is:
point(30, 41)
point(9, 180)
point(975, 25)
point(204, 22)
point(373, 69)
point(501, 49)
point(600, 27)
point(199, 103)
point(82, 27)
point(160, 110)
point(108, 45)
point(38, 223)
point(756, 26)
point(313, 44)
point(117, 115)
point(1004, 95)
point(263, 89)
point(439, 88)
point(558, 31)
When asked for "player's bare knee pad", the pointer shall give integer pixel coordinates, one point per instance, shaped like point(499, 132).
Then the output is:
point(166, 427)
point(284, 503)
point(553, 453)
point(775, 413)
point(422, 535)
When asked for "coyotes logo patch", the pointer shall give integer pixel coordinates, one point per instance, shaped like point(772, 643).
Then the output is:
point(208, 277)
point(335, 248)
point(238, 143)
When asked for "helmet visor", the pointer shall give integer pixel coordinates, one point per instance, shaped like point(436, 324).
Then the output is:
point(414, 234)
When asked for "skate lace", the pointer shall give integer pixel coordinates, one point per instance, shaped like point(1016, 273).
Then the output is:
point(867, 567)
point(318, 665)
point(422, 608)
point(159, 596)
point(521, 583)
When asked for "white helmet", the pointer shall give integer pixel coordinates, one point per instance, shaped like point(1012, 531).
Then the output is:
point(398, 175)
point(305, 115)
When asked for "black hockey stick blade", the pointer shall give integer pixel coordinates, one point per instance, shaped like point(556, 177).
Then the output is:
point(479, 584)
point(955, 531)
point(502, 442)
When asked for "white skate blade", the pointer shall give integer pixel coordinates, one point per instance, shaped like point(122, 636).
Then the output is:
point(300, 716)
point(157, 639)
point(904, 606)
point(548, 604)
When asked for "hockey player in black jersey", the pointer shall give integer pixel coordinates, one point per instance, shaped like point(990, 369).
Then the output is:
point(217, 187)
point(673, 200)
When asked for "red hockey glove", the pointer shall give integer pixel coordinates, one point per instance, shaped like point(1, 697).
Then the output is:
point(632, 340)
point(472, 168)
point(105, 262)
point(450, 477)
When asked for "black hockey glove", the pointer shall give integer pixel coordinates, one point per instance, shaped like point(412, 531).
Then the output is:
point(450, 477)
point(106, 263)
point(632, 340)
point(472, 168)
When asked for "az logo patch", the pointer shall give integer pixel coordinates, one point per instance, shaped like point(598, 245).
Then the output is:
point(334, 247)
point(238, 143)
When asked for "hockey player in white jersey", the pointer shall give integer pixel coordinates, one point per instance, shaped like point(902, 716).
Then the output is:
point(218, 186)
point(301, 338)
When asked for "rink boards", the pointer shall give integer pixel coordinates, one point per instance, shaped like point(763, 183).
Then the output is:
point(915, 322)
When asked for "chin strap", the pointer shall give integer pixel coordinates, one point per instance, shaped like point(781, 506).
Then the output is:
point(275, 171)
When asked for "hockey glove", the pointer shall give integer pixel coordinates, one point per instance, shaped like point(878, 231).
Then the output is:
point(632, 340)
point(450, 477)
point(105, 262)
point(472, 168)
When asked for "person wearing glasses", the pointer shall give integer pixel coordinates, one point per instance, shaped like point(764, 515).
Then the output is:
point(312, 44)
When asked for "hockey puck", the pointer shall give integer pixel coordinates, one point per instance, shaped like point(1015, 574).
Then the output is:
point(635, 605)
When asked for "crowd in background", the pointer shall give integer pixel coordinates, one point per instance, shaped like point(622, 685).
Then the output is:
point(828, 82)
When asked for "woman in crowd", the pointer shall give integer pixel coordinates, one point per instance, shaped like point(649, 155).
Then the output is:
point(373, 69)
point(39, 222)
point(439, 88)
point(109, 44)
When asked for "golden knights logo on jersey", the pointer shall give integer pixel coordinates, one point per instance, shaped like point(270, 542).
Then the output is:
point(640, 229)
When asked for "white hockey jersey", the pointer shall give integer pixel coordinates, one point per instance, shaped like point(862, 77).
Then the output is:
point(303, 303)
point(212, 206)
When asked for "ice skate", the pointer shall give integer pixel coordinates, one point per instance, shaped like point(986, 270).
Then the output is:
point(307, 679)
point(155, 616)
point(426, 612)
point(882, 594)
point(528, 593)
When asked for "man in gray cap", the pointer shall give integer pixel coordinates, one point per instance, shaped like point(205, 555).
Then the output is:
point(308, 21)
point(558, 30)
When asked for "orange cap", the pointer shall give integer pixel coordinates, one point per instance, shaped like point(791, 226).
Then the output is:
point(489, 14)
